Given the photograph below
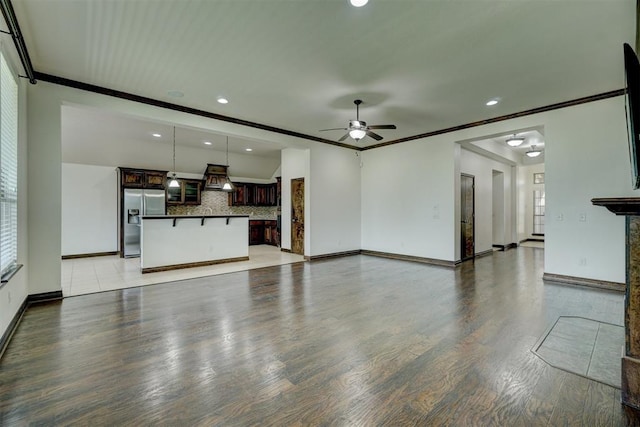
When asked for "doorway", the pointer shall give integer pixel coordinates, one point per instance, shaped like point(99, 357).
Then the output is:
point(467, 216)
point(297, 216)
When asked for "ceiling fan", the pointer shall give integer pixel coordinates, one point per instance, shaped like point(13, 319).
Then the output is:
point(358, 129)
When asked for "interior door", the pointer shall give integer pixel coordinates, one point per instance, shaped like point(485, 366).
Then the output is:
point(297, 216)
point(467, 216)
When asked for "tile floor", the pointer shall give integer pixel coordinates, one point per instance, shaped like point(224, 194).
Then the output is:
point(532, 244)
point(97, 274)
point(585, 347)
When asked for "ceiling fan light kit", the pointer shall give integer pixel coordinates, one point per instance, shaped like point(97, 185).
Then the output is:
point(357, 134)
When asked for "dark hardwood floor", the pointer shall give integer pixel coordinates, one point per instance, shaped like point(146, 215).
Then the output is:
point(348, 341)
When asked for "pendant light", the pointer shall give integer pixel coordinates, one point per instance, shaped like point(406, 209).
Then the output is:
point(174, 183)
point(533, 152)
point(515, 141)
point(227, 184)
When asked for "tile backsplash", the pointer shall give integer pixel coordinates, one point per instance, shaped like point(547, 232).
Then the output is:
point(216, 203)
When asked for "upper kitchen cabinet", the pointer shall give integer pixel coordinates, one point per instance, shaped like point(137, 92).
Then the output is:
point(250, 194)
point(187, 194)
point(142, 178)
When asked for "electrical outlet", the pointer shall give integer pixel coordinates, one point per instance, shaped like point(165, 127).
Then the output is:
point(560, 217)
point(583, 217)
point(583, 261)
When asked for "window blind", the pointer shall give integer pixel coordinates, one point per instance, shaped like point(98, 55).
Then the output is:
point(8, 168)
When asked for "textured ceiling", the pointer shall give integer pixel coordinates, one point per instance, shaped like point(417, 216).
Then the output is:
point(298, 65)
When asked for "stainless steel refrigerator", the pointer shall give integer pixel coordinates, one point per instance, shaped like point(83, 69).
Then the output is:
point(136, 204)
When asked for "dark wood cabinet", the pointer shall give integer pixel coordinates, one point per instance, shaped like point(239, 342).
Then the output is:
point(242, 195)
point(187, 194)
point(142, 178)
point(256, 232)
point(263, 232)
point(271, 233)
point(251, 194)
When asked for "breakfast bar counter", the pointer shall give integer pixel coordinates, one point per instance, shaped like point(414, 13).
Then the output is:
point(170, 242)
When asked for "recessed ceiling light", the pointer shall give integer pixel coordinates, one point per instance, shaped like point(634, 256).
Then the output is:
point(175, 94)
point(492, 101)
point(359, 3)
point(207, 142)
point(223, 100)
point(248, 149)
point(156, 135)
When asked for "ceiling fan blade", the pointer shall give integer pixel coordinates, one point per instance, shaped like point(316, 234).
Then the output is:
point(374, 135)
point(383, 127)
point(322, 130)
point(346, 135)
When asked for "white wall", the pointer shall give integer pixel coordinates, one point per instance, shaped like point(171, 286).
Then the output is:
point(89, 208)
point(335, 200)
point(482, 169)
point(587, 156)
point(525, 199)
point(408, 198)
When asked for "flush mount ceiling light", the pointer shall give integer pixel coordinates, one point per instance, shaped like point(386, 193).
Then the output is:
point(174, 181)
point(358, 3)
point(207, 142)
point(248, 149)
point(156, 135)
point(227, 184)
point(515, 141)
point(222, 100)
point(492, 102)
point(533, 152)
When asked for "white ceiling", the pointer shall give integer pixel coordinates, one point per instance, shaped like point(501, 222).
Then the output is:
point(298, 65)
point(99, 137)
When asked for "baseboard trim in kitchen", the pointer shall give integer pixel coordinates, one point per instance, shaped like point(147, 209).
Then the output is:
point(333, 255)
point(91, 255)
point(431, 261)
point(192, 264)
point(581, 281)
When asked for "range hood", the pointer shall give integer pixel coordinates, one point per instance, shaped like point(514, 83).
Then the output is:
point(214, 176)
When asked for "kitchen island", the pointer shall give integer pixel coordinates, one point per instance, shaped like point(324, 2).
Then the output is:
point(169, 242)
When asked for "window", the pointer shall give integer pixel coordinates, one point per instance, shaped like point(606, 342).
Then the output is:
point(8, 169)
point(538, 212)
